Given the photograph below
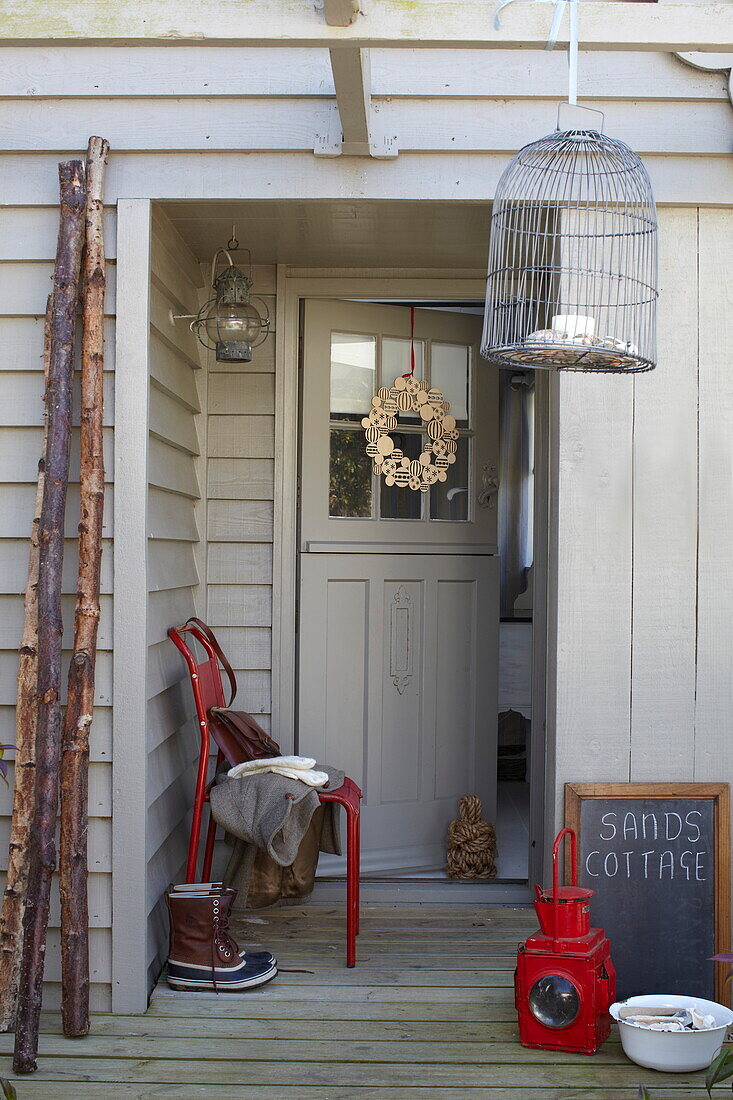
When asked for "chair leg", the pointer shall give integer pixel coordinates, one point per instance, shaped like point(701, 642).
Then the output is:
point(358, 871)
point(352, 884)
point(209, 849)
point(193, 843)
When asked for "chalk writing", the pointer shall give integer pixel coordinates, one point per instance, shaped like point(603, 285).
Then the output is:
point(686, 864)
point(666, 825)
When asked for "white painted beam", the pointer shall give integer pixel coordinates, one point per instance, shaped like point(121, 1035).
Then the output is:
point(352, 81)
point(340, 13)
point(353, 130)
point(650, 127)
point(425, 24)
point(97, 72)
point(464, 177)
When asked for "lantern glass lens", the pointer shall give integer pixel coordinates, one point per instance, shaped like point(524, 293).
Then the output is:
point(554, 1001)
point(229, 323)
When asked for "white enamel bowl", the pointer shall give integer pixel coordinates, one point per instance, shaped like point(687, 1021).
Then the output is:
point(673, 1051)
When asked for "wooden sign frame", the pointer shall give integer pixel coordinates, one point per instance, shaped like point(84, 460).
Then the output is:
point(719, 794)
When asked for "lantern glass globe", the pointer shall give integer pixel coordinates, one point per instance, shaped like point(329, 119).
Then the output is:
point(238, 322)
point(554, 1001)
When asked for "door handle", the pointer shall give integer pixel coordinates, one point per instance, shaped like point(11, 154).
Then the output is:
point(400, 647)
point(489, 486)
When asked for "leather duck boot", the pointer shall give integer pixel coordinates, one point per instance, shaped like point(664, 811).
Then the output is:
point(203, 955)
point(228, 896)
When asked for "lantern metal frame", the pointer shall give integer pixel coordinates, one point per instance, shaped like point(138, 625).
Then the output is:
point(572, 271)
point(232, 287)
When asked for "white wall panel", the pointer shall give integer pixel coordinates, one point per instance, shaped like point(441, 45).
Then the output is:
point(174, 533)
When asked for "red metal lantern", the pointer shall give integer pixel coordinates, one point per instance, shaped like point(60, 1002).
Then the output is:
point(565, 980)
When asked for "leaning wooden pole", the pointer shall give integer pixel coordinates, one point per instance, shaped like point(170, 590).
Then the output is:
point(51, 536)
point(80, 697)
point(24, 784)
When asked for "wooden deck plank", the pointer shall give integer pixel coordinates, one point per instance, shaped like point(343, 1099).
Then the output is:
point(333, 994)
point(330, 977)
point(449, 1051)
point(264, 1027)
point(247, 1008)
point(39, 1088)
point(431, 1030)
point(416, 947)
point(402, 934)
point(559, 1074)
point(397, 917)
point(430, 964)
point(413, 938)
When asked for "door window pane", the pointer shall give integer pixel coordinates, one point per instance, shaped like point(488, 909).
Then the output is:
point(353, 375)
point(450, 372)
point(399, 501)
point(396, 361)
point(449, 499)
point(350, 487)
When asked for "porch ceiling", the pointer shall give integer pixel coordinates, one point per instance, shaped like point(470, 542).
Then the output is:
point(325, 233)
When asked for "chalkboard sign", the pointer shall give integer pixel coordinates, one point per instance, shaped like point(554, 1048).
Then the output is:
point(658, 857)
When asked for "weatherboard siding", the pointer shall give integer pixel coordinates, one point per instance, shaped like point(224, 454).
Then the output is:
point(643, 592)
point(27, 248)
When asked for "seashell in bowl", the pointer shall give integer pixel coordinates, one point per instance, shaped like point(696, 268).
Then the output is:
point(701, 1021)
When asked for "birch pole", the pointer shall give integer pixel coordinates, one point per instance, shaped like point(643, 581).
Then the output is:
point(51, 538)
point(80, 696)
point(24, 785)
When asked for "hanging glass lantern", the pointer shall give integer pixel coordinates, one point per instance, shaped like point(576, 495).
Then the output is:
point(572, 276)
point(228, 322)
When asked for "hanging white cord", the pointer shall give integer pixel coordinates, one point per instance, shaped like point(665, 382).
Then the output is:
point(573, 54)
point(552, 38)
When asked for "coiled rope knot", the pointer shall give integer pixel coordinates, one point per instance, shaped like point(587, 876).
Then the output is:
point(471, 842)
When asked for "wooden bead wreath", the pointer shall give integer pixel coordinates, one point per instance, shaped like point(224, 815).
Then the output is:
point(407, 394)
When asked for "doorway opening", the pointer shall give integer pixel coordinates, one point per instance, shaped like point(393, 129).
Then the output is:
point(415, 623)
point(258, 535)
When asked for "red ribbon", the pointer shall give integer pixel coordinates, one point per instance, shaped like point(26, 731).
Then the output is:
point(412, 344)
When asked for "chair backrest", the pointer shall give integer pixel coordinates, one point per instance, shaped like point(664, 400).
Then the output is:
point(206, 681)
point(237, 735)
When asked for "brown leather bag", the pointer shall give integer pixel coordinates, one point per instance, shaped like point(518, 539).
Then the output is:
point(239, 737)
point(235, 732)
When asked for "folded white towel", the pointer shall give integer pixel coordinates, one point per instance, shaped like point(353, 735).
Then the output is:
point(293, 767)
point(297, 763)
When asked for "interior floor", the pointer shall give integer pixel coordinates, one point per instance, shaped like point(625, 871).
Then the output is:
point(428, 1012)
point(512, 842)
point(512, 837)
point(512, 829)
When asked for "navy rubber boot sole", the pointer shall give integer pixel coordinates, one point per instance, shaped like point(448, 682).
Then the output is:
point(228, 980)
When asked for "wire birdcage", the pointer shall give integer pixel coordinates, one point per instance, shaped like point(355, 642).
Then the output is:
point(573, 258)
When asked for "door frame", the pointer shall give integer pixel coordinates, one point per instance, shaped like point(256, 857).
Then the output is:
point(293, 286)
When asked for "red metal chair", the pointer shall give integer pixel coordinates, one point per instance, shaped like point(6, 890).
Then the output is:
point(208, 692)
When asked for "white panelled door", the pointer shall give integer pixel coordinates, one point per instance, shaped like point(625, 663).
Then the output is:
point(399, 601)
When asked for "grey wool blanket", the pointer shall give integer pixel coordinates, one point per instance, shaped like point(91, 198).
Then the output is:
point(271, 813)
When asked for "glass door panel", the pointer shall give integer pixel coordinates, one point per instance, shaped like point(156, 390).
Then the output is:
point(450, 371)
point(398, 501)
point(350, 489)
point(353, 375)
point(451, 499)
point(396, 360)
point(351, 350)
